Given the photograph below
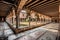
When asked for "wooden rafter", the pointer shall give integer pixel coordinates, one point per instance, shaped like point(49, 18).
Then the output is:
point(21, 4)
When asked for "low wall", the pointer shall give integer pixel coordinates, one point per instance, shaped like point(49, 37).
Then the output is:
point(18, 30)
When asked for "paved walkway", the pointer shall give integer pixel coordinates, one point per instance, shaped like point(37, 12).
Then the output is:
point(7, 31)
point(52, 26)
point(41, 33)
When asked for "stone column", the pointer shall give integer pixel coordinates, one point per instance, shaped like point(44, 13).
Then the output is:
point(17, 20)
point(13, 16)
point(29, 16)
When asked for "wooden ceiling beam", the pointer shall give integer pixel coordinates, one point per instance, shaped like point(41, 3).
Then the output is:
point(8, 3)
point(28, 1)
point(43, 4)
point(33, 3)
point(46, 5)
point(21, 4)
point(50, 2)
point(39, 3)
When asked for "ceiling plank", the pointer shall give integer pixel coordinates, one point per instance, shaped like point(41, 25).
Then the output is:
point(28, 1)
point(42, 3)
point(39, 3)
point(47, 4)
point(33, 3)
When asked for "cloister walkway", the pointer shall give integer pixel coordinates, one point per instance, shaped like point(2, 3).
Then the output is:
point(48, 31)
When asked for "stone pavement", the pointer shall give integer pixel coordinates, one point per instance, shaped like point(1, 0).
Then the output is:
point(40, 33)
